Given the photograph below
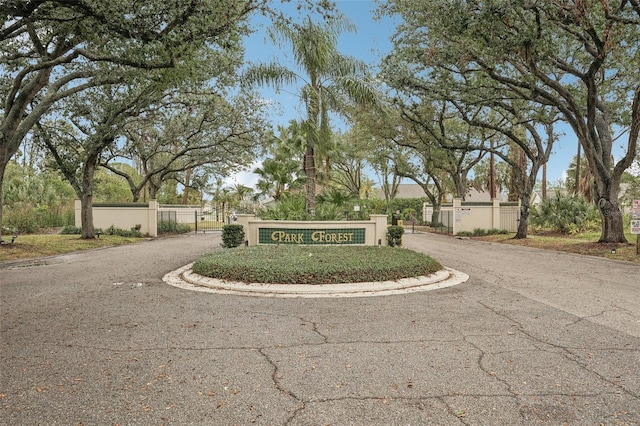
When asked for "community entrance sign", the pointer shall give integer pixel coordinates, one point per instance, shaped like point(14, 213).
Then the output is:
point(315, 232)
point(311, 236)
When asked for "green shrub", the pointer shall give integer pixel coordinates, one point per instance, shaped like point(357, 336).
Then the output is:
point(568, 215)
point(335, 197)
point(168, 226)
point(289, 207)
point(328, 211)
point(232, 235)
point(394, 235)
point(71, 230)
point(410, 207)
point(336, 206)
point(123, 232)
point(294, 264)
point(23, 220)
point(496, 231)
point(479, 232)
point(50, 217)
point(27, 219)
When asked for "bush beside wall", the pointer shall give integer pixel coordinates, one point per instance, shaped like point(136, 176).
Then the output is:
point(232, 235)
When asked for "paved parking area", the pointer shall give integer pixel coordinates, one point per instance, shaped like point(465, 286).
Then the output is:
point(532, 337)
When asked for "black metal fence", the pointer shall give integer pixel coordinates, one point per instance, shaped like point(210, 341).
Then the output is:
point(198, 221)
point(444, 225)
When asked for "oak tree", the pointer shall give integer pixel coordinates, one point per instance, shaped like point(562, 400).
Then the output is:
point(579, 57)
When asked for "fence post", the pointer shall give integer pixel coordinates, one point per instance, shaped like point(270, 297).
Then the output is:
point(152, 218)
point(457, 215)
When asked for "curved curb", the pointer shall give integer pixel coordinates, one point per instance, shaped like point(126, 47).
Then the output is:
point(185, 278)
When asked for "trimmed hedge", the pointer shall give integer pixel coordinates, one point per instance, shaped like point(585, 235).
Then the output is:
point(112, 230)
point(291, 264)
point(394, 235)
point(232, 235)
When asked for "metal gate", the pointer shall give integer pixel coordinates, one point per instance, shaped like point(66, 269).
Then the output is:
point(198, 221)
point(509, 216)
point(445, 222)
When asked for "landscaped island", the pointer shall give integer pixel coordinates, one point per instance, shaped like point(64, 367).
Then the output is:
point(285, 264)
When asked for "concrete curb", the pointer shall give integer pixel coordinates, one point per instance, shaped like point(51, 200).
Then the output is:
point(185, 278)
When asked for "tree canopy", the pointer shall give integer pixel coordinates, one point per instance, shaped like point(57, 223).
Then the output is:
point(330, 80)
point(580, 58)
point(54, 49)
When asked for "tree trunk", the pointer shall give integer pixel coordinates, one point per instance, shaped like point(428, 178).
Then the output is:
point(518, 155)
point(612, 220)
point(3, 166)
point(435, 215)
point(461, 186)
point(86, 199)
point(607, 177)
point(523, 223)
point(86, 216)
point(153, 191)
point(310, 183)
point(492, 174)
point(544, 181)
point(436, 203)
point(8, 147)
point(525, 189)
point(576, 185)
point(185, 195)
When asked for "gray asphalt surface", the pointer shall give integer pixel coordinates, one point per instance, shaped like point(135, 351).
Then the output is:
point(534, 337)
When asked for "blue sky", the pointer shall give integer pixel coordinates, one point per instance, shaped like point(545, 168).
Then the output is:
point(370, 43)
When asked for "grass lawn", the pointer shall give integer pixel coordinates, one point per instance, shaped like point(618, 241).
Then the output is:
point(40, 245)
point(584, 243)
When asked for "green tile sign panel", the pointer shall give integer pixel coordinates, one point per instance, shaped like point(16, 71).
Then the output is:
point(311, 236)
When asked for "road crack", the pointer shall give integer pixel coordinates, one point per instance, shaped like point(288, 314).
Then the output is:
point(563, 351)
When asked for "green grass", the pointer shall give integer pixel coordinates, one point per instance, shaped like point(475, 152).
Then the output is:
point(583, 243)
point(40, 245)
point(288, 264)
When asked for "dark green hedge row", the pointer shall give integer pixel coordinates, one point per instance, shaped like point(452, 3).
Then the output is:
point(314, 264)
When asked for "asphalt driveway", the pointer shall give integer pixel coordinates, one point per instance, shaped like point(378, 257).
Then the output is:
point(96, 338)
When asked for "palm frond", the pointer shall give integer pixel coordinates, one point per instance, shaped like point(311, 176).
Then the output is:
point(272, 74)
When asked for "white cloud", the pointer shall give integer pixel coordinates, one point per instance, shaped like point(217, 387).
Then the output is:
point(245, 177)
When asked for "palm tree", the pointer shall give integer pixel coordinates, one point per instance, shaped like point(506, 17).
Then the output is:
point(290, 143)
point(580, 179)
point(240, 193)
point(277, 177)
point(330, 80)
point(222, 197)
point(336, 197)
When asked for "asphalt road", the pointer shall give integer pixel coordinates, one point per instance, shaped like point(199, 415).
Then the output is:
point(533, 337)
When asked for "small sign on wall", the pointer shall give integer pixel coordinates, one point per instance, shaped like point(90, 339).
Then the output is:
point(635, 209)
